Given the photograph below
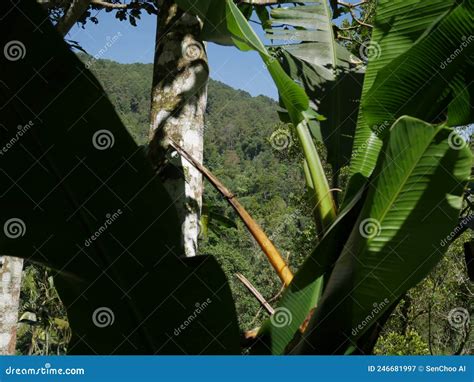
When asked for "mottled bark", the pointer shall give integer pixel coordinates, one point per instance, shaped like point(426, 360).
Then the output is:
point(10, 283)
point(179, 97)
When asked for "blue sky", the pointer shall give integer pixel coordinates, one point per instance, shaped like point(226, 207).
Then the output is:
point(241, 70)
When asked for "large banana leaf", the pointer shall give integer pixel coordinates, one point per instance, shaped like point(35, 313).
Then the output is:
point(301, 296)
point(422, 71)
point(78, 195)
point(311, 23)
point(276, 338)
point(330, 76)
point(336, 98)
point(406, 76)
point(419, 182)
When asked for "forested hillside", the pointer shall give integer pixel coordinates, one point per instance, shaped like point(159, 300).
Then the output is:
point(261, 169)
point(357, 182)
point(256, 157)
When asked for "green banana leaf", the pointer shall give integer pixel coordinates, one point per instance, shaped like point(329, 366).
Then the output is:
point(310, 24)
point(293, 96)
point(406, 75)
point(78, 195)
point(336, 98)
point(426, 73)
point(331, 77)
point(418, 182)
point(300, 298)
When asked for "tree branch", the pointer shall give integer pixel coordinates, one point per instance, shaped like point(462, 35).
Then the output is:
point(260, 2)
point(106, 4)
point(71, 15)
point(262, 239)
point(256, 293)
point(351, 8)
point(349, 5)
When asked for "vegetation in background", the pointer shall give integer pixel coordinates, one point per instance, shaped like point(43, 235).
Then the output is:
point(255, 156)
point(408, 166)
point(267, 177)
point(43, 326)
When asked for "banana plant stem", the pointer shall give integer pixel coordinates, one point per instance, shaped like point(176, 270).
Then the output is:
point(325, 208)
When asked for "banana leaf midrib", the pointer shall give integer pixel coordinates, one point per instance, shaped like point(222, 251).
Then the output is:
point(407, 177)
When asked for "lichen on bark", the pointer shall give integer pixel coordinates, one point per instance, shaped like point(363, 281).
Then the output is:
point(179, 97)
point(10, 284)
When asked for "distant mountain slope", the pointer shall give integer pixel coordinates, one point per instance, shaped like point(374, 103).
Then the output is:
point(128, 86)
point(238, 150)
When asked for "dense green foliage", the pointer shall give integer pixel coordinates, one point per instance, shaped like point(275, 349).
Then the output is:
point(339, 301)
point(241, 152)
point(425, 320)
point(43, 328)
point(353, 287)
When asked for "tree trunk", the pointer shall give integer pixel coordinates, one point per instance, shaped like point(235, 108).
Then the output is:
point(178, 105)
point(75, 10)
point(10, 283)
